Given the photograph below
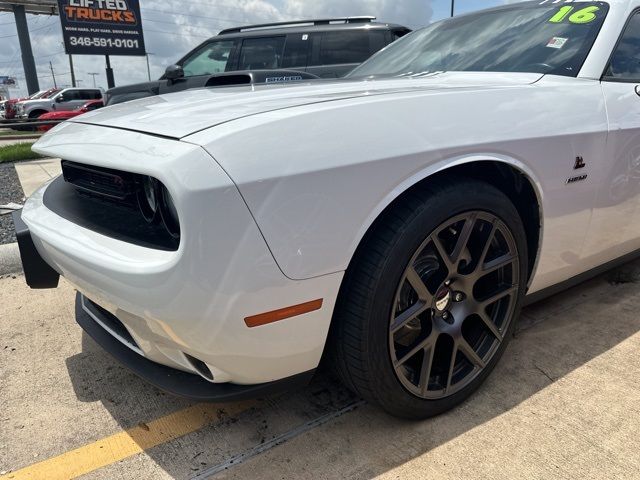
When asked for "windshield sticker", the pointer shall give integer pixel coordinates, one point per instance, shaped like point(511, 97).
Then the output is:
point(580, 17)
point(557, 42)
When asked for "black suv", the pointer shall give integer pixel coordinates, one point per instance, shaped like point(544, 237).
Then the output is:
point(274, 52)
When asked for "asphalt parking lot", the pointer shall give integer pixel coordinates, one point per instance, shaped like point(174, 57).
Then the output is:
point(563, 403)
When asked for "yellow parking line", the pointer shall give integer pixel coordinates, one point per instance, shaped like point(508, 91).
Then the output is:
point(125, 444)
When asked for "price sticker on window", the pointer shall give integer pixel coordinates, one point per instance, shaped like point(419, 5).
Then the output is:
point(579, 17)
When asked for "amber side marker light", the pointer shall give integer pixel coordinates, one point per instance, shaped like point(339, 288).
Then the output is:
point(282, 314)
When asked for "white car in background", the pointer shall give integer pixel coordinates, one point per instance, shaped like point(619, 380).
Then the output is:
point(221, 240)
point(64, 100)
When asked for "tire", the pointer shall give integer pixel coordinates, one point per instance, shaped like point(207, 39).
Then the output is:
point(380, 284)
point(36, 113)
point(33, 116)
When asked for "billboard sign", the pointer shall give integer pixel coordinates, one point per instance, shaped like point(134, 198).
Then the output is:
point(102, 27)
point(8, 82)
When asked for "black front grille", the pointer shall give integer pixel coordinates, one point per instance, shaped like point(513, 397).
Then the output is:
point(121, 220)
point(103, 182)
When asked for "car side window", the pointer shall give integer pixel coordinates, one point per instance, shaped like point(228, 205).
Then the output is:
point(91, 95)
point(71, 95)
point(261, 53)
point(211, 58)
point(624, 65)
point(296, 50)
point(344, 47)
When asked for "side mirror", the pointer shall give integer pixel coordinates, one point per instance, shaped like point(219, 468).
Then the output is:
point(173, 73)
point(59, 99)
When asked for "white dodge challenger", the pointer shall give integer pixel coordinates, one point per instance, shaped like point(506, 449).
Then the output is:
point(223, 240)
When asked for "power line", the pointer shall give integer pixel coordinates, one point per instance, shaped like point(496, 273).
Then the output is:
point(192, 15)
point(32, 30)
point(182, 34)
point(174, 23)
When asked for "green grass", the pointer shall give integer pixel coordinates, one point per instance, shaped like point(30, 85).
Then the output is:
point(7, 132)
point(17, 152)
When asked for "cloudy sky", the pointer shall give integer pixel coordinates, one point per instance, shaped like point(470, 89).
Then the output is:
point(173, 27)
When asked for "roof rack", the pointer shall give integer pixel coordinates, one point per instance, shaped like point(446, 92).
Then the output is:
point(323, 21)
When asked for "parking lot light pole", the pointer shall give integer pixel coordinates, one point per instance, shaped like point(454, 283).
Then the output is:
point(148, 66)
point(453, 6)
point(93, 74)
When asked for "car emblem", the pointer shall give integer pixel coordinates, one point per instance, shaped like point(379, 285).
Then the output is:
point(443, 299)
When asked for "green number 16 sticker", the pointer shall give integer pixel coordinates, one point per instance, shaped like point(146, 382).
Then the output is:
point(585, 15)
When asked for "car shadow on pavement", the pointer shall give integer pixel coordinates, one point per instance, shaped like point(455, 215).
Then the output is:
point(555, 337)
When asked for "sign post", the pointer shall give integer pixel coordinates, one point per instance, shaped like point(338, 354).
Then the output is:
point(102, 27)
point(110, 80)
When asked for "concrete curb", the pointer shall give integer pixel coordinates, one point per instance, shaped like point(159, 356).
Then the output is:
point(10, 259)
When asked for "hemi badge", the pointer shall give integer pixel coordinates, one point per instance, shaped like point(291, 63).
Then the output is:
point(577, 179)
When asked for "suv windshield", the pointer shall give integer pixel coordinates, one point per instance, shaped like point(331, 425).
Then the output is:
point(530, 37)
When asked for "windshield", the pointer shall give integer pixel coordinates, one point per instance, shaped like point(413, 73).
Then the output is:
point(529, 37)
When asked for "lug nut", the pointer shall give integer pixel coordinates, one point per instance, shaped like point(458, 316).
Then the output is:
point(458, 297)
point(445, 315)
point(447, 283)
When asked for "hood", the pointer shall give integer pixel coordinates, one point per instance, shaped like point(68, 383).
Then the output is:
point(37, 100)
point(178, 115)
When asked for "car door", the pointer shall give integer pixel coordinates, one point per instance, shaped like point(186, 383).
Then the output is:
point(615, 228)
point(67, 100)
point(262, 53)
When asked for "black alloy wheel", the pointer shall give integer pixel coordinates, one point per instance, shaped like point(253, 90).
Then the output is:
point(454, 304)
point(431, 297)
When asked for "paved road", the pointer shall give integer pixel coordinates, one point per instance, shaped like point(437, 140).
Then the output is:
point(563, 403)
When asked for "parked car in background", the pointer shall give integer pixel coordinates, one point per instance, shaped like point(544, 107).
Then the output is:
point(67, 114)
point(8, 107)
point(64, 100)
point(328, 48)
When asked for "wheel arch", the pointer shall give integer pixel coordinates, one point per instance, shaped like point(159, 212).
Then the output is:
point(510, 176)
point(36, 112)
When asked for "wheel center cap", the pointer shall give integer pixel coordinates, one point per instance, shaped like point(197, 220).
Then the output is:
point(442, 299)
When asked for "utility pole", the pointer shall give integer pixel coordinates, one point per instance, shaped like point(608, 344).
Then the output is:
point(453, 6)
point(73, 74)
point(53, 74)
point(94, 78)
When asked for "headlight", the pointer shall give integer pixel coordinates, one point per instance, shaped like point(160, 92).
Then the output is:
point(169, 213)
point(156, 205)
point(148, 199)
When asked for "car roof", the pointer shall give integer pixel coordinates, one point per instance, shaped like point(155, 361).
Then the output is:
point(308, 26)
point(79, 88)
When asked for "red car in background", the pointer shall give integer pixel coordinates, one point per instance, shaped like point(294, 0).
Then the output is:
point(10, 105)
point(65, 115)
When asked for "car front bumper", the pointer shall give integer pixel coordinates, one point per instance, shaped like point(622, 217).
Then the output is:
point(193, 302)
